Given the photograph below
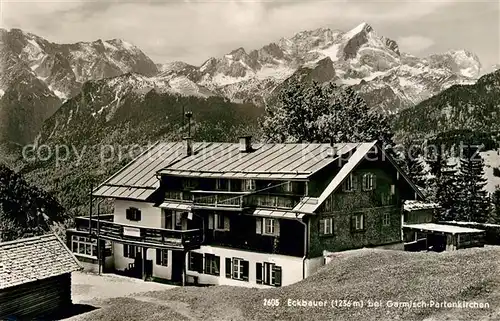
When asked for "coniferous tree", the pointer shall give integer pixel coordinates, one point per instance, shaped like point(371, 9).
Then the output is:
point(495, 206)
point(495, 211)
point(474, 200)
point(319, 113)
point(447, 193)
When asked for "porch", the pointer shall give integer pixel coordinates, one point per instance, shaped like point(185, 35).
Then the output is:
point(142, 247)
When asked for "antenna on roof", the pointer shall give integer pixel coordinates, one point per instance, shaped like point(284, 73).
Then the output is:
point(188, 115)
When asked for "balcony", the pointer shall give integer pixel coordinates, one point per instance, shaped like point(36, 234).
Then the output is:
point(140, 235)
point(178, 196)
point(209, 199)
point(274, 201)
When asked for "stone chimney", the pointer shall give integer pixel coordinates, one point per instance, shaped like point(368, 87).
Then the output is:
point(188, 145)
point(245, 144)
point(332, 151)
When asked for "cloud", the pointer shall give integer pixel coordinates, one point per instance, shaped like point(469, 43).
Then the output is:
point(414, 44)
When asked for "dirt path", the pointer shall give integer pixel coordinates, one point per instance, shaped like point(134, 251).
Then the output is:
point(87, 287)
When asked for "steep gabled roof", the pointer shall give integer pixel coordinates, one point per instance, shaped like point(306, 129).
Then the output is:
point(35, 258)
point(311, 204)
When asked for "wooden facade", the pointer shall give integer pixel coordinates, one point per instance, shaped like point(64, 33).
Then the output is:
point(36, 299)
point(35, 277)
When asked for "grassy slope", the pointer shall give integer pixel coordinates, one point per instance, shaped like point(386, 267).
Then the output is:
point(355, 275)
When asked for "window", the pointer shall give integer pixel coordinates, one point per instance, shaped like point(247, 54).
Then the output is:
point(326, 226)
point(288, 187)
point(188, 183)
point(349, 184)
point(133, 214)
point(386, 199)
point(268, 273)
point(237, 269)
point(386, 219)
point(267, 226)
point(219, 222)
point(358, 223)
point(368, 182)
point(222, 184)
point(212, 264)
point(195, 262)
point(131, 251)
point(250, 185)
point(162, 257)
point(178, 220)
point(84, 245)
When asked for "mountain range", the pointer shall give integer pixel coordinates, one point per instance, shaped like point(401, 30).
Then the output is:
point(38, 76)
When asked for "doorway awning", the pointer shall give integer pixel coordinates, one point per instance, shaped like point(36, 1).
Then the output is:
point(278, 214)
point(176, 206)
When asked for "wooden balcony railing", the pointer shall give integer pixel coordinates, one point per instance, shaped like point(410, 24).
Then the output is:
point(275, 201)
point(219, 199)
point(172, 239)
point(179, 196)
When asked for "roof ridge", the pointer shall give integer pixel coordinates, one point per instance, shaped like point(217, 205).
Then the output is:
point(27, 239)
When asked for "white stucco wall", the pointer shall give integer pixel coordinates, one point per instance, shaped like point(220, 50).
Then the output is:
point(150, 216)
point(291, 267)
point(312, 265)
point(160, 271)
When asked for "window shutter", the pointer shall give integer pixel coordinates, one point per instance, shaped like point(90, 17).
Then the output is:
point(277, 224)
point(374, 181)
point(137, 214)
point(321, 226)
point(245, 266)
point(211, 221)
point(199, 263)
point(362, 218)
point(258, 223)
point(158, 257)
point(353, 223)
point(226, 223)
point(258, 273)
point(228, 267)
point(354, 182)
point(127, 213)
point(125, 250)
point(277, 275)
point(168, 221)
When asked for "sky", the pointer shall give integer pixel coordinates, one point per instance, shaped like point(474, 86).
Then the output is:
point(193, 31)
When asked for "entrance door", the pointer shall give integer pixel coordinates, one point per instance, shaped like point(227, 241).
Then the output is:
point(177, 264)
point(148, 267)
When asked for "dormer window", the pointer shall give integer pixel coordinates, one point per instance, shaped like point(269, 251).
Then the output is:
point(368, 182)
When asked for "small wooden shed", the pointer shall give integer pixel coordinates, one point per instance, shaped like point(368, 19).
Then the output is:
point(35, 277)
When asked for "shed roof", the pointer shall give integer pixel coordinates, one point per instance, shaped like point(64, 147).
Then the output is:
point(35, 258)
point(432, 227)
